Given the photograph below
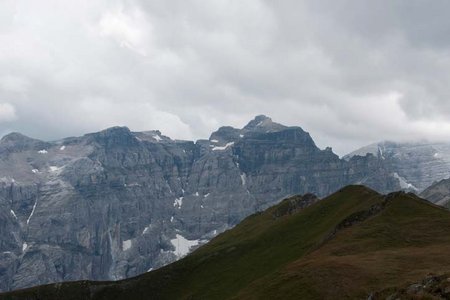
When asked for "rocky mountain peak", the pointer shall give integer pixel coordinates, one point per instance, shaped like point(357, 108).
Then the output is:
point(257, 120)
point(226, 134)
point(259, 127)
point(17, 141)
point(113, 136)
point(15, 137)
point(116, 130)
point(263, 123)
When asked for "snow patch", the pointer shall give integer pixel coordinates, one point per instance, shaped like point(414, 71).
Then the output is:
point(157, 137)
point(196, 194)
point(62, 148)
point(243, 179)
point(206, 196)
point(35, 171)
point(13, 213)
point(403, 183)
point(201, 206)
point(7, 179)
point(24, 246)
point(178, 202)
point(145, 230)
point(182, 245)
point(149, 270)
point(214, 141)
point(32, 212)
point(219, 148)
point(171, 219)
point(241, 135)
point(54, 169)
point(436, 154)
point(126, 245)
point(381, 152)
point(43, 151)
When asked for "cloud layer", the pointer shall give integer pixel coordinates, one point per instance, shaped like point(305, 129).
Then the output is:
point(350, 72)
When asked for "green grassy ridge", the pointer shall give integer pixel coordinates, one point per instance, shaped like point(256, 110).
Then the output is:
point(257, 246)
point(294, 255)
point(407, 240)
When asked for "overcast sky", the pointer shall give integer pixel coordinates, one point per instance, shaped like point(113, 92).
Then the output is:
point(349, 72)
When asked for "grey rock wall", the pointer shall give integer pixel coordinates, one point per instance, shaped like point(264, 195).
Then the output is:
point(416, 165)
point(438, 193)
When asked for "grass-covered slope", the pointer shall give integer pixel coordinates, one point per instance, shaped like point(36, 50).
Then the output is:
point(345, 246)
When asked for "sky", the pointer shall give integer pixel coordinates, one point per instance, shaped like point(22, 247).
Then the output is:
point(350, 72)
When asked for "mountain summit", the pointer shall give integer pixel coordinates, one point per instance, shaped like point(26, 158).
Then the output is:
point(263, 123)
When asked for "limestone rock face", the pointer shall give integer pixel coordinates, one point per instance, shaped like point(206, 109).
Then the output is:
point(438, 193)
point(116, 203)
point(415, 165)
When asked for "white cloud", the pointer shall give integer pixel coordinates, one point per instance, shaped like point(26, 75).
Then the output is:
point(13, 84)
point(7, 112)
point(102, 113)
point(129, 29)
point(351, 73)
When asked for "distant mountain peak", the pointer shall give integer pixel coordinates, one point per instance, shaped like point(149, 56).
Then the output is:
point(112, 131)
point(260, 124)
point(15, 137)
point(116, 130)
point(261, 118)
point(263, 123)
point(16, 141)
point(258, 121)
point(117, 135)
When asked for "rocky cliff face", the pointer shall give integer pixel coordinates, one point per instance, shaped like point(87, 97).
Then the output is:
point(438, 193)
point(415, 165)
point(116, 203)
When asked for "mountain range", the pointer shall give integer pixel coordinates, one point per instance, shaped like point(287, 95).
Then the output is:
point(115, 204)
point(353, 244)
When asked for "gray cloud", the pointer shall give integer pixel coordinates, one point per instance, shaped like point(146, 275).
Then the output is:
point(350, 72)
